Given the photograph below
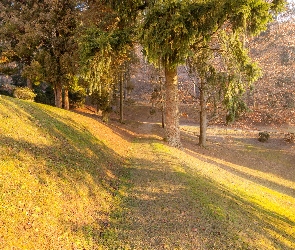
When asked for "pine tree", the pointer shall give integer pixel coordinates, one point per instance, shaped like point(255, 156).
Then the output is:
point(42, 36)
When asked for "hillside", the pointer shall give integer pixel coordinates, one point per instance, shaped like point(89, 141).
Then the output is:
point(69, 181)
point(59, 177)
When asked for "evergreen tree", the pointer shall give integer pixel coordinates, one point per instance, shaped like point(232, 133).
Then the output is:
point(42, 35)
point(172, 30)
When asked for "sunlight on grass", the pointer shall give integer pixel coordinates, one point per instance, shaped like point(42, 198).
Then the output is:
point(258, 214)
point(55, 191)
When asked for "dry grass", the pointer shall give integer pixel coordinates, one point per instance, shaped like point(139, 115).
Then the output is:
point(59, 180)
point(69, 182)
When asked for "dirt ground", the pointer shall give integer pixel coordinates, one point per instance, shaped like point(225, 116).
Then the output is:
point(236, 143)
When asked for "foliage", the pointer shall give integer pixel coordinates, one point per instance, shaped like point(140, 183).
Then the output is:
point(41, 35)
point(44, 94)
point(241, 74)
point(263, 136)
point(105, 49)
point(169, 28)
point(77, 92)
point(24, 93)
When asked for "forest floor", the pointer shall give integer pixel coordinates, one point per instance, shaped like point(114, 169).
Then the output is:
point(237, 193)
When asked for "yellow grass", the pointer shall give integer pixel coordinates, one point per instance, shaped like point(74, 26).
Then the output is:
point(57, 178)
point(69, 182)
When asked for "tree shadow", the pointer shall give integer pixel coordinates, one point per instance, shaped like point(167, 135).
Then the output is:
point(262, 157)
point(72, 155)
point(180, 210)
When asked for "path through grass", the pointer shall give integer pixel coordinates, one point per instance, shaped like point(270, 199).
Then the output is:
point(69, 182)
point(185, 201)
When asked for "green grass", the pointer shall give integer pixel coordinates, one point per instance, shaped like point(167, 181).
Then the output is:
point(58, 182)
point(246, 213)
point(69, 182)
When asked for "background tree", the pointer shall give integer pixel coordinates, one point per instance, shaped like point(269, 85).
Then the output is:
point(45, 41)
point(225, 72)
point(19, 39)
point(106, 49)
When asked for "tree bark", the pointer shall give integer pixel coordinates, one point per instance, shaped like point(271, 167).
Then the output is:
point(66, 99)
point(29, 84)
point(105, 116)
point(171, 108)
point(203, 116)
point(121, 100)
point(58, 95)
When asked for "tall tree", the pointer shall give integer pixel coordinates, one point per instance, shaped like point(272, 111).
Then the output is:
point(225, 72)
point(171, 29)
point(17, 44)
point(46, 39)
point(105, 51)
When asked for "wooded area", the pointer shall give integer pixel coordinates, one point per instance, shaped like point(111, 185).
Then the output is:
point(87, 49)
point(103, 104)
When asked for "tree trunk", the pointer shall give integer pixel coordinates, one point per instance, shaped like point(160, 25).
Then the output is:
point(163, 118)
point(58, 95)
point(121, 99)
point(203, 116)
point(171, 108)
point(29, 84)
point(105, 116)
point(66, 99)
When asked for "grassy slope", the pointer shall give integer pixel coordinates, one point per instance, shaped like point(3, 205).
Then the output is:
point(65, 183)
point(59, 180)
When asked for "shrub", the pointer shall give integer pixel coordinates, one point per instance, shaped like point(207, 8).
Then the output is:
point(44, 94)
point(24, 93)
point(263, 136)
point(77, 98)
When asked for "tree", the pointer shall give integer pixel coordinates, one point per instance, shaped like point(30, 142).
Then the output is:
point(45, 41)
point(17, 44)
point(225, 72)
point(170, 30)
point(105, 52)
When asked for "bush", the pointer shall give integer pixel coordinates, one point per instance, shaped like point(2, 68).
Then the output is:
point(263, 136)
point(44, 94)
point(24, 93)
point(77, 98)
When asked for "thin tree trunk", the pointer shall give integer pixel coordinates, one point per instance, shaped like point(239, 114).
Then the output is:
point(66, 99)
point(171, 108)
point(163, 118)
point(29, 84)
point(121, 100)
point(58, 95)
point(203, 116)
point(105, 116)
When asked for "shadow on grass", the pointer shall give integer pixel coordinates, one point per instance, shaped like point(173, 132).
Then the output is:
point(166, 208)
point(175, 209)
point(73, 156)
point(253, 161)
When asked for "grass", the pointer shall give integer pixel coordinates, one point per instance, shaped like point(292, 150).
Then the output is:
point(69, 182)
point(59, 182)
